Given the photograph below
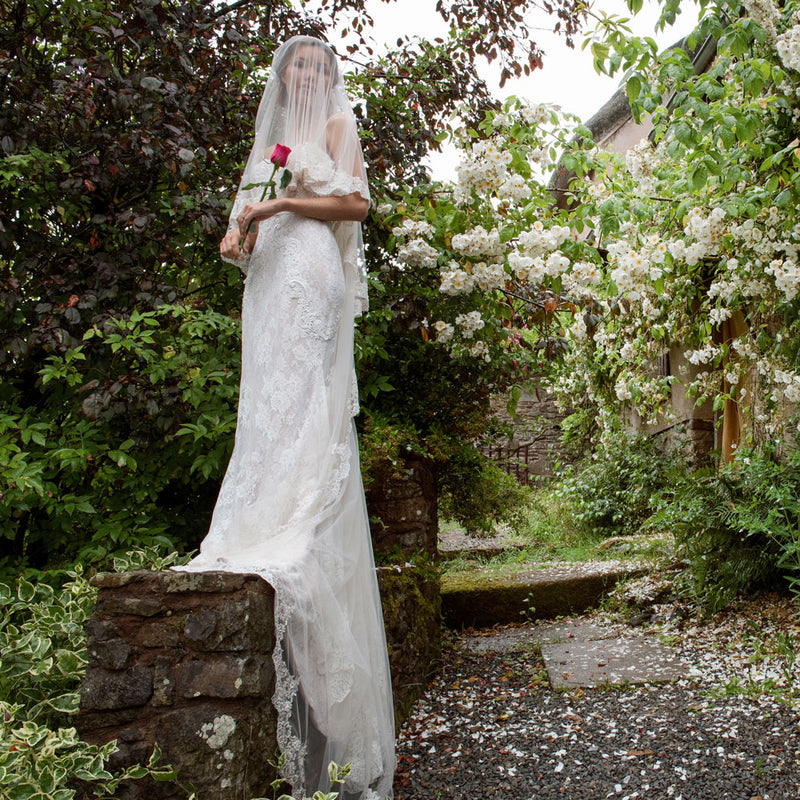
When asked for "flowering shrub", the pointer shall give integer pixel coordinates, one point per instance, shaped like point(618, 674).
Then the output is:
point(703, 240)
point(492, 260)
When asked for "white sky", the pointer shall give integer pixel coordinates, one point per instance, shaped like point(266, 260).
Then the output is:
point(568, 78)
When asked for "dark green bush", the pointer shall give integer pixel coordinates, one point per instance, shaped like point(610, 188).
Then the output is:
point(612, 493)
point(738, 528)
point(477, 494)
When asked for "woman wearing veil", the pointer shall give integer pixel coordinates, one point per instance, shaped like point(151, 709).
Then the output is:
point(291, 507)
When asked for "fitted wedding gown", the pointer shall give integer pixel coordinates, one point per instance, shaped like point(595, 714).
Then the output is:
point(291, 507)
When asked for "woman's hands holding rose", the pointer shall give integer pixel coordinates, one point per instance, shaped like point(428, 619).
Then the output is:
point(237, 243)
point(255, 212)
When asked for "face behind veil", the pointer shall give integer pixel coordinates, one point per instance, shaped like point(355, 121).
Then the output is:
point(305, 108)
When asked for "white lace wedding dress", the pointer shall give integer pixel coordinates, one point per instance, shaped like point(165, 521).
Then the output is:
point(291, 507)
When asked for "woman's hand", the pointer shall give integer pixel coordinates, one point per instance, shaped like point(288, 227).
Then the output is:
point(258, 211)
point(229, 247)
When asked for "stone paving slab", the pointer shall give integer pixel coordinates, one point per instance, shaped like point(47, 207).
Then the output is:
point(588, 663)
point(586, 654)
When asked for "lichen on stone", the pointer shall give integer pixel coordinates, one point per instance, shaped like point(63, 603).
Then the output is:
point(217, 733)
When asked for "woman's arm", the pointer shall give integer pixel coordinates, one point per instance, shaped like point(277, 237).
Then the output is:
point(349, 207)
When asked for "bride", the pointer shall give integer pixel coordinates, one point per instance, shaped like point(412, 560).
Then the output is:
point(291, 507)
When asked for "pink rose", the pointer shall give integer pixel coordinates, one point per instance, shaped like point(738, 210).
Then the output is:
point(280, 155)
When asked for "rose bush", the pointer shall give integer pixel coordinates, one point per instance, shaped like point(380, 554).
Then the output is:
point(704, 249)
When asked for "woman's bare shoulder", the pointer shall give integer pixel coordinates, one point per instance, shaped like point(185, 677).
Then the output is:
point(338, 124)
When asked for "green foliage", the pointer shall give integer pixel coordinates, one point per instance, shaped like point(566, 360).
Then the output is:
point(479, 495)
point(42, 642)
point(123, 128)
point(738, 528)
point(336, 775)
point(612, 492)
point(128, 438)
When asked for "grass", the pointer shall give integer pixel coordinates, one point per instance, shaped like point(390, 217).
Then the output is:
point(547, 534)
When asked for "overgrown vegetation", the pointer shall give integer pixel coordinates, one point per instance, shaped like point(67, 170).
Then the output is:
point(43, 648)
point(612, 492)
point(123, 128)
point(479, 495)
point(738, 528)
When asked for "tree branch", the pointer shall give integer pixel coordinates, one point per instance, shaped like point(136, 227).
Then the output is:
point(240, 4)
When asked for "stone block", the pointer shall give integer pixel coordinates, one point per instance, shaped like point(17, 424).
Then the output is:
point(242, 624)
point(90, 720)
point(481, 599)
point(625, 660)
point(105, 646)
point(114, 654)
point(104, 690)
point(216, 582)
point(164, 682)
point(111, 605)
point(224, 676)
point(224, 755)
point(101, 630)
point(113, 580)
point(403, 508)
point(157, 634)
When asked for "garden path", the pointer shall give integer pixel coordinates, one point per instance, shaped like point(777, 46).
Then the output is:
point(492, 726)
point(577, 709)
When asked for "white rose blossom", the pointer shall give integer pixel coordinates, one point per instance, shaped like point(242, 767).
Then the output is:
point(477, 242)
point(417, 253)
point(444, 331)
point(469, 323)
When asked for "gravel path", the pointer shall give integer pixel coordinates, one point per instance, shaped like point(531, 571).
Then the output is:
point(491, 727)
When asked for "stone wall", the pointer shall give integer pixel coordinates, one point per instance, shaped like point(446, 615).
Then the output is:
point(535, 447)
point(403, 510)
point(185, 660)
point(412, 612)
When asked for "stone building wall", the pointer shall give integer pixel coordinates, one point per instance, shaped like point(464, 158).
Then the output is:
point(535, 447)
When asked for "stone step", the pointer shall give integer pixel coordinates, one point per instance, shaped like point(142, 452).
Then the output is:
point(486, 597)
point(473, 552)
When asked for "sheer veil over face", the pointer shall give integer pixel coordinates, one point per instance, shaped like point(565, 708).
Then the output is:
point(305, 107)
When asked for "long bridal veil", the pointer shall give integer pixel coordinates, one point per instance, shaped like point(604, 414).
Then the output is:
point(291, 507)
